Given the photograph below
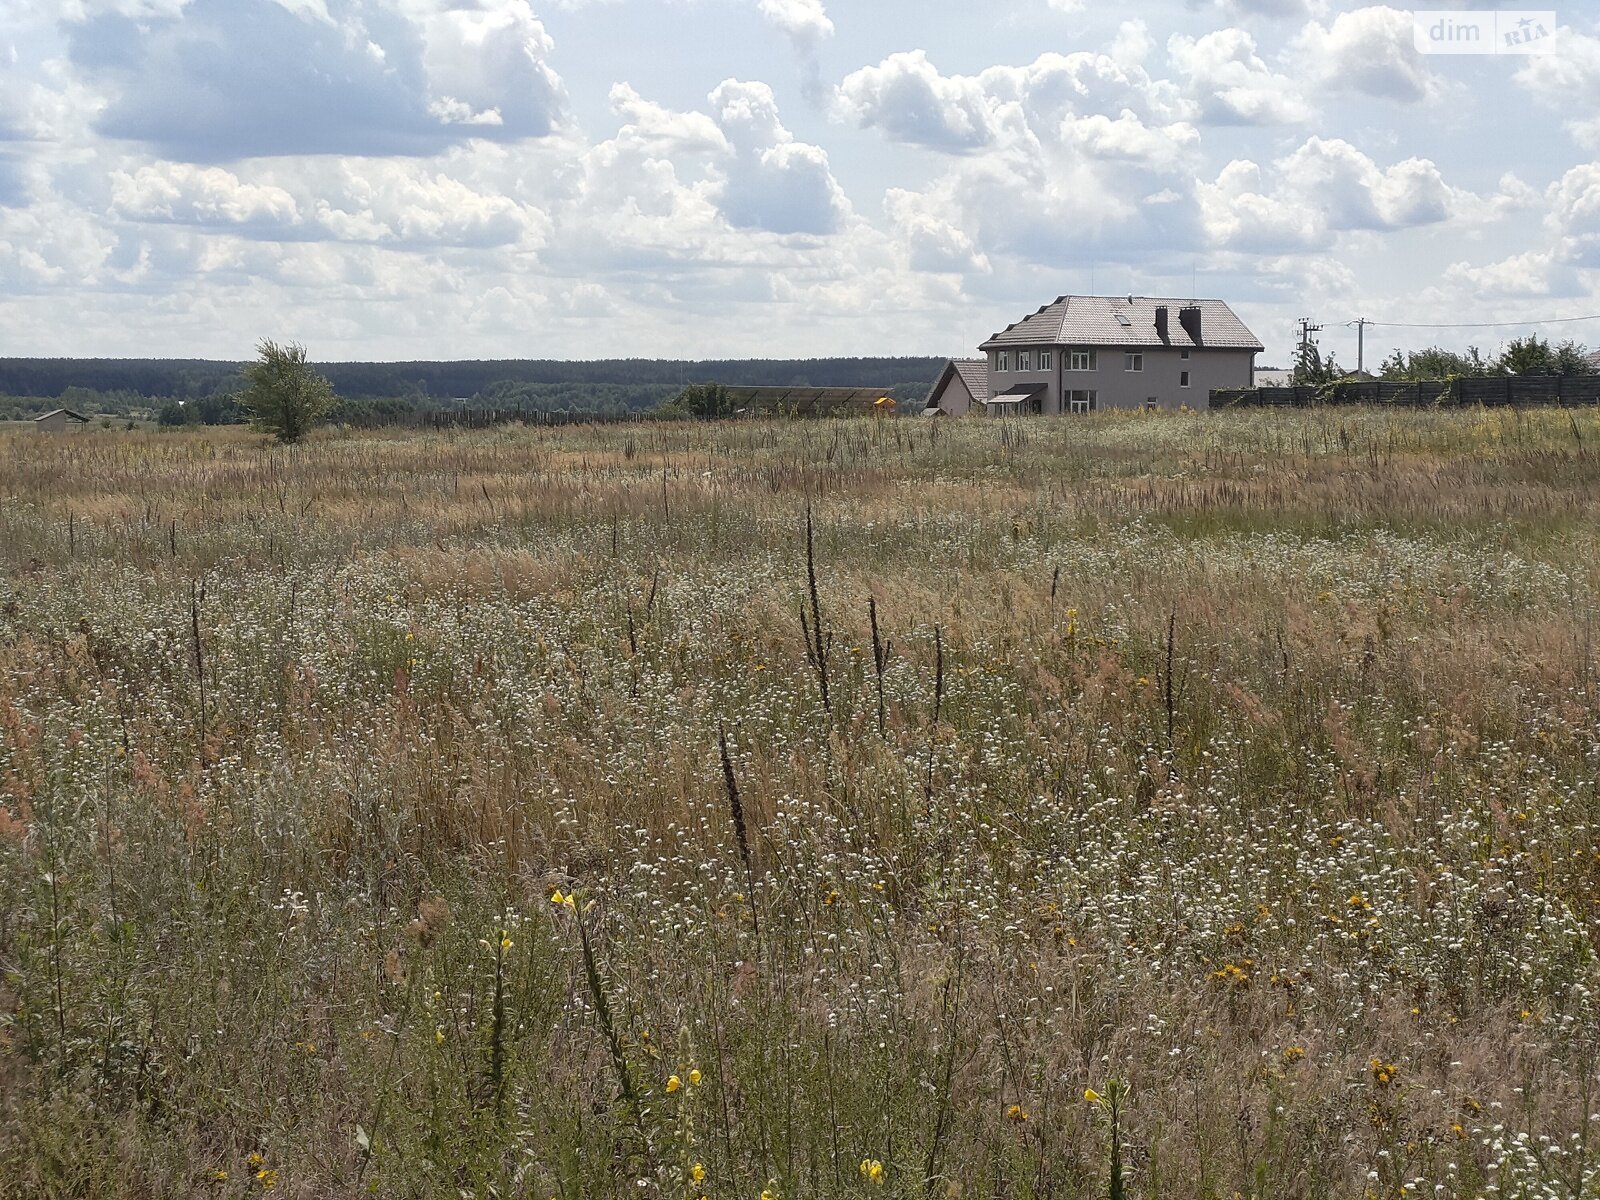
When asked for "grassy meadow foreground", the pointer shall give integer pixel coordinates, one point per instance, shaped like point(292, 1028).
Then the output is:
point(506, 814)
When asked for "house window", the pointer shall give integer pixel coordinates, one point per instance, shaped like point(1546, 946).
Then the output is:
point(1023, 358)
point(1133, 361)
point(1044, 360)
point(1081, 402)
point(1152, 404)
point(1183, 354)
point(1003, 361)
point(1080, 360)
point(1183, 379)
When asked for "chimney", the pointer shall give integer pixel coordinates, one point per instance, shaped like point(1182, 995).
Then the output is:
point(1161, 321)
point(1189, 318)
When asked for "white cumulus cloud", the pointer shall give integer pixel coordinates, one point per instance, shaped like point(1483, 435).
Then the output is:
point(1322, 188)
point(1567, 81)
point(907, 97)
point(186, 194)
point(806, 22)
point(1367, 50)
point(1231, 84)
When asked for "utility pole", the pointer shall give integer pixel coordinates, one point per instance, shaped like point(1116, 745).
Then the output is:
point(1361, 324)
point(1307, 328)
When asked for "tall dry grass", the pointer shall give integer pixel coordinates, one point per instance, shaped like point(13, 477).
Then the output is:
point(515, 814)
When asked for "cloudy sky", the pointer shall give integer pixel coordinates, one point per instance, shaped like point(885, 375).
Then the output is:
point(386, 179)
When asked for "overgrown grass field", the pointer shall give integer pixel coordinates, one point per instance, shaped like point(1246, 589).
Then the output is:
point(544, 813)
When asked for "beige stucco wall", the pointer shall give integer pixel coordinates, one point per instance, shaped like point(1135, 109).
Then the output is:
point(1118, 387)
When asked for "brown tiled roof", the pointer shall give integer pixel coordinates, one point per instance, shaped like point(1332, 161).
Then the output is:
point(1125, 321)
point(974, 373)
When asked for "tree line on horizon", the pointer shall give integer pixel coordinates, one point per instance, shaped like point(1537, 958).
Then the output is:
point(1531, 355)
point(443, 382)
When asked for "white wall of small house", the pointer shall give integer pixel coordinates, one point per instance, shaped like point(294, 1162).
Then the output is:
point(955, 398)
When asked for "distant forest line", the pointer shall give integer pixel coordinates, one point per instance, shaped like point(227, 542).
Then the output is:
point(192, 391)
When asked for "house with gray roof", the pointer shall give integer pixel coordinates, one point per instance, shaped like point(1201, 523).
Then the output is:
point(1081, 354)
point(963, 384)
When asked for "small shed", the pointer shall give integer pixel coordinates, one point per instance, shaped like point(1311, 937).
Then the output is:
point(59, 420)
point(964, 382)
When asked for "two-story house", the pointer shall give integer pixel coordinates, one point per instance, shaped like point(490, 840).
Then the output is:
point(1084, 353)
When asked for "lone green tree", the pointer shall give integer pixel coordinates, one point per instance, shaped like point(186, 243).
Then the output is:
point(285, 396)
point(705, 400)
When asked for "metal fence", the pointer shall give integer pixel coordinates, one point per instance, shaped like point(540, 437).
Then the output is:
point(1511, 391)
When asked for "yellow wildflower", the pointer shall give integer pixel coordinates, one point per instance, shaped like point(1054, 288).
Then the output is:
point(1234, 974)
point(1017, 1114)
point(697, 1173)
point(267, 1178)
point(673, 1084)
point(1092, 1096)
point(695, 1077)
point(872, 1171)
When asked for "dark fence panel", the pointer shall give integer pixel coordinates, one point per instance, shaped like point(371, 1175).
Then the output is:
point(1519, 391)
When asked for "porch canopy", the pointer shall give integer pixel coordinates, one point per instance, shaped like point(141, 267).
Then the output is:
point(1017, 398)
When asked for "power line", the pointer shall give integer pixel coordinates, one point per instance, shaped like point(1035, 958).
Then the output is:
point(1475, 325)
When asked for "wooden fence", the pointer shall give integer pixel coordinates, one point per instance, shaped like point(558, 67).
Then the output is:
point(485, 418)
point(1519, 391)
